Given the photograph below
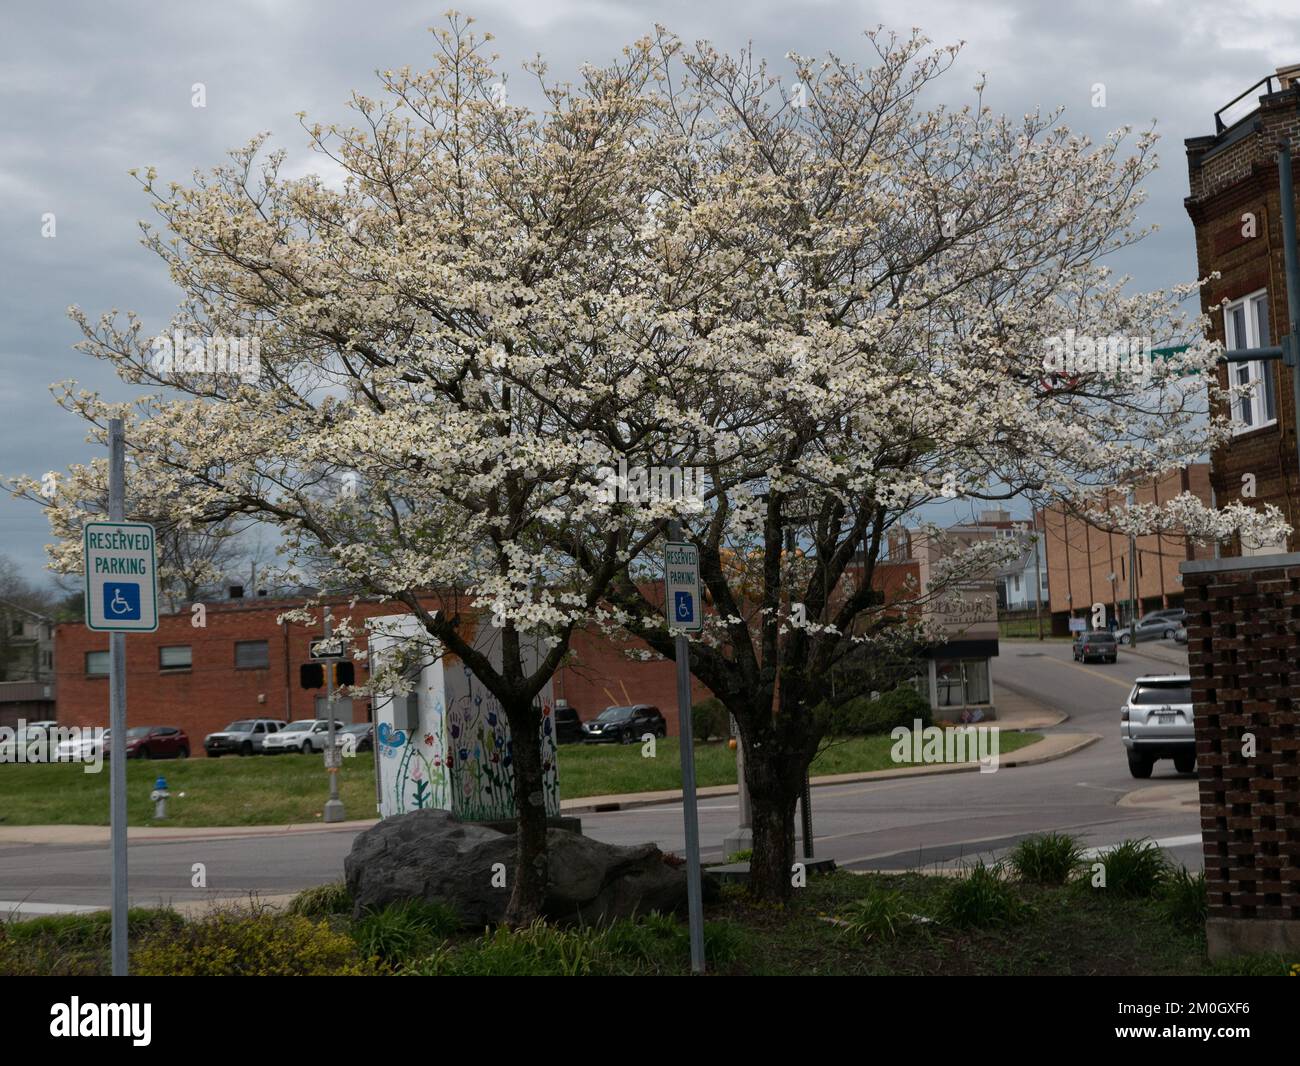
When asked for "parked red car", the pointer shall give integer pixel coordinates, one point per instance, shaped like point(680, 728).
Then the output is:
point(154, 742)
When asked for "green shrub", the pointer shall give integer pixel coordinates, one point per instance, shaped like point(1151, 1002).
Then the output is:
point(1135, 869)
point(260, 944)
point(743, 855)
point(322, 901)
point(863, 716)
point(539, 950)
point(982, 899)
point(406, 930)
point(74, 945)
point(709, 718)
point(880, 914)
point(1049, 859)
point(654, 944)
point(1184, 901)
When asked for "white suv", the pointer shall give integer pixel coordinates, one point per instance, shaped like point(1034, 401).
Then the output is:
point(1156, 723)
point(306, 735)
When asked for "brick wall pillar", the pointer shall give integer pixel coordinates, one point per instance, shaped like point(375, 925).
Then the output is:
point(1243, 641)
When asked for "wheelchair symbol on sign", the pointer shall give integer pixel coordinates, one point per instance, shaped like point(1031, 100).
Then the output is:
point(118, 605)
point(685, 608)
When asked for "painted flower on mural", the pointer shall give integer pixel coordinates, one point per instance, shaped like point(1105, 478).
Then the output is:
point(428, 739)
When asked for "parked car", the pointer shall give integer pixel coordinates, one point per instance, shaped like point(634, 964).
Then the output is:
point(142, 742)
point(1156, 723)
point(83, 747)
point(568, 724)
point(365, 734)
point(242, 737)
point(1174, 614)
point(305, 735)
point(1095, 644)
point(624, 725)
point(1150, 627)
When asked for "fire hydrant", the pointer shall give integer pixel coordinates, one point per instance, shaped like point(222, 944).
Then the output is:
point(159, 796)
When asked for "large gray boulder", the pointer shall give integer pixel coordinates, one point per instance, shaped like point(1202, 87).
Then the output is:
point(430, 855)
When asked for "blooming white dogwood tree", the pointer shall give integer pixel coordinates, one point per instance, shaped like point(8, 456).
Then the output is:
point(456, 347)
point(920, 311)
point(837, 305)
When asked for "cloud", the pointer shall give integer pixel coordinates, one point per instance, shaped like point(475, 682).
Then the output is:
point(91, 90)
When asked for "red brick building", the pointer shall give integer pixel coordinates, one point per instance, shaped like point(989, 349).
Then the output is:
point(1081, 558)
point(244, 663)
point(1234, 207)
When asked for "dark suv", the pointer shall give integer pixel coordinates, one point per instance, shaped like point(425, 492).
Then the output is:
point(624, 725)
point(568, 724)
point(1095, 644)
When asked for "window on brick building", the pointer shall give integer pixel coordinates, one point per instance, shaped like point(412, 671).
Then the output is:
point(252, 655)
point(96, 664)
point(175, 657)
point(1246, 326)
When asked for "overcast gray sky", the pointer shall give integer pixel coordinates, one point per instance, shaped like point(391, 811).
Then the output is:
point(89, 90)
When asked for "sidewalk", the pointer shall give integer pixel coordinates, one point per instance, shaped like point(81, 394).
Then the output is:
point(1017, 712)
point(1175, 655)
point(1020, 712)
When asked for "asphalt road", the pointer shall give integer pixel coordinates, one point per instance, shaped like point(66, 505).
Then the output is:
point(926, 822)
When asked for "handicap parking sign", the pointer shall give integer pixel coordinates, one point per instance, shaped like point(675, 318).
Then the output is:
point(683, 608)
point(122, 601)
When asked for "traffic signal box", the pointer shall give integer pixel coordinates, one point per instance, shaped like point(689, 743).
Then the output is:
point(312, 675)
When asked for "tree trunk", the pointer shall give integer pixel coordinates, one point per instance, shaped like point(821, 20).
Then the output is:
point(532, 866)
point(775, 780)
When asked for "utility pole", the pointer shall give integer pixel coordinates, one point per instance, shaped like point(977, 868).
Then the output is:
point(1038, 576)
point(1132, 578)
point(743, 837)
point(333, 806)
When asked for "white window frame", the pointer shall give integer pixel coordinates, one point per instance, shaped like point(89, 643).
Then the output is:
point(1250, 413)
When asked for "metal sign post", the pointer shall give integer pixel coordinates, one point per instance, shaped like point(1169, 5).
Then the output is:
point(333, 806)
point(683, 607)
point(121, 597)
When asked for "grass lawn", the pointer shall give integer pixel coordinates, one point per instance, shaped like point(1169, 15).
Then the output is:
point(1065, 930)
point(284, 789)
point(262, 790)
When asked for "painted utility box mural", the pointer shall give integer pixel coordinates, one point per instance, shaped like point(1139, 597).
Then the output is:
point(447, 745)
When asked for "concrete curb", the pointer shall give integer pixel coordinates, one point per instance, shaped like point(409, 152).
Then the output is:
point(1057, 746)
point(1179, 796)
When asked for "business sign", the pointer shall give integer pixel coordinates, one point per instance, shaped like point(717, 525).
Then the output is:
point(121, 577)
point(1078, 625)
point(682, 600)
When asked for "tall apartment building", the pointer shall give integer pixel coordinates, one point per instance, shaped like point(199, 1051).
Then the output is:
point(1235, 209)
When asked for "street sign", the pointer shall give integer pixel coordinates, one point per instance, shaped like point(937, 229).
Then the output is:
point(121, 577)
point(327, 649)
point(682, 600)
